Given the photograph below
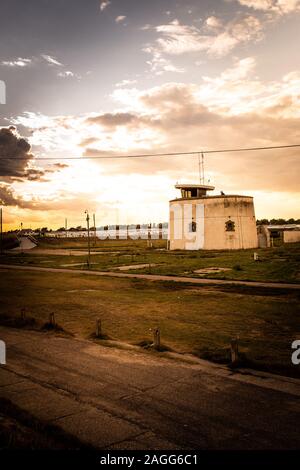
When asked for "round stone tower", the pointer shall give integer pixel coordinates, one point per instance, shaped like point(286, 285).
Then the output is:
point(223, 222)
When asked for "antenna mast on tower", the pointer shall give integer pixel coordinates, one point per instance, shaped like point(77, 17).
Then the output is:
point(201, 167)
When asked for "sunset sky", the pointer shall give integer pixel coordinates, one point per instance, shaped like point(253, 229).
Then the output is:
point(98, 78)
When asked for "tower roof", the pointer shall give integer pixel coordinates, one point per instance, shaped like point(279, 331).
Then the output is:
point(194, 186)
point(193, 190)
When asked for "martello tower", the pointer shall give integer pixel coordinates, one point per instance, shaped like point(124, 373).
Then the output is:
point(201, 221)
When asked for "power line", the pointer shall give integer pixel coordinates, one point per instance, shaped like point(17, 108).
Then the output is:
point(145, 155)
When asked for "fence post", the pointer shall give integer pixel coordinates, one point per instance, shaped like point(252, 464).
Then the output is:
point(234, 350)
point(23, 313)
point(52, 319)
point(98, 328)
point(156, 338)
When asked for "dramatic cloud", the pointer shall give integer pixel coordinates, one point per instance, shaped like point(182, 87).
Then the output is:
point(17, 161)
point(16, 156)
point(277, 6)
point(176, 38)
point(196, 79)
point(9, 198)
point(232, 109)
point(182, 114)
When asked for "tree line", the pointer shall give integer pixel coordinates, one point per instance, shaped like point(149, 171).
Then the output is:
point(277, 221)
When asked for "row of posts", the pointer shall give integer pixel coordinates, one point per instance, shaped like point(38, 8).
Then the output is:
point(52, 321)
point(234, 349)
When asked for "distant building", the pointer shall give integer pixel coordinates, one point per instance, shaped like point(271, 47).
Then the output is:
point(275, 235)
point(198, 221)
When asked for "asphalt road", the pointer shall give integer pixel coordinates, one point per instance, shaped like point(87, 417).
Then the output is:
point(125, 399)
point(157, 277)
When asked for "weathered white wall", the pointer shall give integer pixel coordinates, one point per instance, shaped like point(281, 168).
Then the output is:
point(291, 236)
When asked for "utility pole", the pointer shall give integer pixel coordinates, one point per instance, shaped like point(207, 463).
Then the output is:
point(95, 235)
point(66, 226)
point(88, 229)
point(21, 233)
point(199, 165)
point(1, 233)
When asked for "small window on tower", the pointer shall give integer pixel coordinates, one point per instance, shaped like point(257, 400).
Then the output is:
point(230, 226)
point(193, 227)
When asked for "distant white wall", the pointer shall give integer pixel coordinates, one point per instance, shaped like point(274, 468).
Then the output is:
point(291, 236)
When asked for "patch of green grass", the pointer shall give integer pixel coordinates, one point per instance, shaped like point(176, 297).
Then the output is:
point(98, 245)
point(278, 264)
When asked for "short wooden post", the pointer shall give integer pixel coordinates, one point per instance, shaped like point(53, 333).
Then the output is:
point(98, 328)
point(52, 319)
point(156, 338)
point(23, 314)
point(234, 350)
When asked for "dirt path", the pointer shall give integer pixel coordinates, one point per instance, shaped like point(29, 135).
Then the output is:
point(61, 251)
point(25, 244)
point(156, 277)
point(117, 399)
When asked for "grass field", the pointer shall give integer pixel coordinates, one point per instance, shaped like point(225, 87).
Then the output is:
point(198, 320)
point(279, 264)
